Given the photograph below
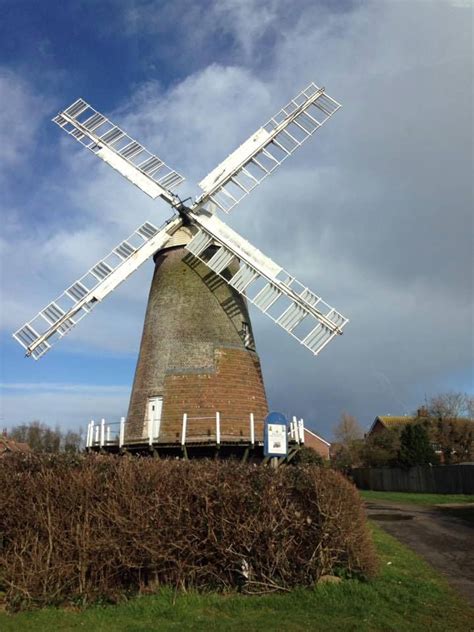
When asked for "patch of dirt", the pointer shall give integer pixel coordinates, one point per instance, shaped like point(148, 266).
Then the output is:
point(442, 534)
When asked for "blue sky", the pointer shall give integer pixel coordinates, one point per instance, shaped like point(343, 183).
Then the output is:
point(375, 214)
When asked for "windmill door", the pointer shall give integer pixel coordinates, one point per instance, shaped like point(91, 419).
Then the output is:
point(154, 406)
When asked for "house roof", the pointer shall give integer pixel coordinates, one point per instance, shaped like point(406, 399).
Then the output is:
point(391, 421)
point(317, 436)
point(8, 445)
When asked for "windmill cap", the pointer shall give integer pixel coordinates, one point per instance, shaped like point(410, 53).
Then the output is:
point(180, 238)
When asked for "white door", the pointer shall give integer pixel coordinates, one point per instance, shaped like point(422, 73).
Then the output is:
point(154, 406)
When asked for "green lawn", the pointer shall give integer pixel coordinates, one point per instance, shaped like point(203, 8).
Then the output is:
point(418, 499)
point(408, 595)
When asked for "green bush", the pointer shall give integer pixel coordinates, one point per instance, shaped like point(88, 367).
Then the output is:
point(82, 528)
point(308, 456)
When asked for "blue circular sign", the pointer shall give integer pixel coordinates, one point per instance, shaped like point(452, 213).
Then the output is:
point(276, 418)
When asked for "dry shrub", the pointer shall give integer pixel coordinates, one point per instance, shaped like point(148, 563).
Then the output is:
point(98, 527)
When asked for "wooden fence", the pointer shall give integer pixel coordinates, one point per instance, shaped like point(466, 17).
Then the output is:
point(437, 479)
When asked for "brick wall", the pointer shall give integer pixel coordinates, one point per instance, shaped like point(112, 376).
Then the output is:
point(193, 351)
point(235, 389)
point(311, 440)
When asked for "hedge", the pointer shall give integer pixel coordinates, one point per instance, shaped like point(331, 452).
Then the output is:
point(82, 528)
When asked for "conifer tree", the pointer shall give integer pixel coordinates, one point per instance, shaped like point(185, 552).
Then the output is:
point(415, 447)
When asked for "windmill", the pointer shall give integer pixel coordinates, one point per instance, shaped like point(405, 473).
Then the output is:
point(197, 347)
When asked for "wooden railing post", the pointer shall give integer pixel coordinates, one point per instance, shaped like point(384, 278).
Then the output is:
point(102, 432)
point(294, 429)
point(122, 431)
point(150, 431)
point(183, 430)
point(301, 430)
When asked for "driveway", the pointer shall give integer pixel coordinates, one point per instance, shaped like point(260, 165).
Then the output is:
point(442, 534)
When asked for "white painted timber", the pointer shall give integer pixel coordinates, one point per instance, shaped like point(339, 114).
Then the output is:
point(62, 314)
point(292, 306)
point(234, 178)
point(134, 175)
point(119, 150)
point(240, 156)
point(303, 314)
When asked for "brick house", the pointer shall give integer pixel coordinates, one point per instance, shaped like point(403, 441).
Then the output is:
point(316, 443)
point(9, 445)
point(387, 422)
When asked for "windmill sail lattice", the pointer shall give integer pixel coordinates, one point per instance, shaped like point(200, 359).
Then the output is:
point(277, 294)
point(295, 308)
point(265, 150)
point(110, 143)
point(61, 315)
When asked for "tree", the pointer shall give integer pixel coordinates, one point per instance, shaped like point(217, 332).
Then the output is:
point(449, 421)
point(346, 452)
point(42, 438)
point(415, 446)
point(72, 441)
point(451, 405)
point(308, 456)
point(348, 429)
point(381, 448)
point(454, 438)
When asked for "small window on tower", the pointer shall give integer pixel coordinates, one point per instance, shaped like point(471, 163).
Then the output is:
point(247, 336)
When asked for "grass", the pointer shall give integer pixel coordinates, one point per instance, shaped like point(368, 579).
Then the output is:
point(407, 595)
point(418, 499)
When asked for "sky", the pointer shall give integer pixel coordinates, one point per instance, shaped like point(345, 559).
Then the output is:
point(374, 214)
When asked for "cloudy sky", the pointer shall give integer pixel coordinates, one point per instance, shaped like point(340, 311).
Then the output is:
point(374, 214)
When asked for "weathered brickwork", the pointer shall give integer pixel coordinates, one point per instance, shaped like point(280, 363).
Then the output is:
point(317, 443)
point(235, 389)
point(192, 351)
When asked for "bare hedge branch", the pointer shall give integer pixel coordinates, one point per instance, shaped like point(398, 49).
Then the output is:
point(79, 528)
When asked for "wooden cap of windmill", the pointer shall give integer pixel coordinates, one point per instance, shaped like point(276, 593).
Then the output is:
point(197, 354)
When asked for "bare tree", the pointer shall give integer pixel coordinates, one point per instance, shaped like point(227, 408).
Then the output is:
point(41, 438)
point(451, 405)
point(349, 436)
point(450, 423)
point(348, 429)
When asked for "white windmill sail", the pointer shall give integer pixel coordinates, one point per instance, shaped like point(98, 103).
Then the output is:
point(292, 306)
point(303, 314)
point(61, 315)
point(264, 151)
point(109, 142)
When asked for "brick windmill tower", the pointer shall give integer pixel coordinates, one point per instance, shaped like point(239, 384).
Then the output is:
point(197, 358)
point(197, 354)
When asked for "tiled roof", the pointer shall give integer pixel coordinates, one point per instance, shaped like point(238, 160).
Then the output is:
point(388, 420)
point(8, 445)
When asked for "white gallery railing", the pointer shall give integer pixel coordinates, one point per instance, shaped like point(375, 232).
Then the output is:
point(104, 434)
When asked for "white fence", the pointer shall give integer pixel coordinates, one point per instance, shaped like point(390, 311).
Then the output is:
point(104, 434)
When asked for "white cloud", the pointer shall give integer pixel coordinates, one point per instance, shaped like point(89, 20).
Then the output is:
point(19, 119)
point(374, 214)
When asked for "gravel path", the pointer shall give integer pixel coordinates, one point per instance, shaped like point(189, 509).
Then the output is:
point(442, 534)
